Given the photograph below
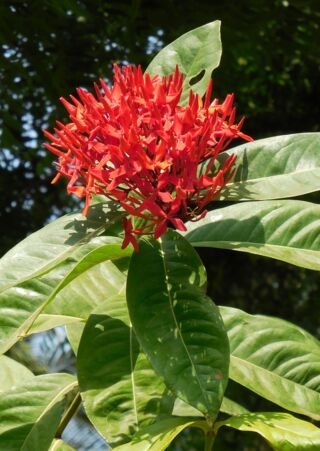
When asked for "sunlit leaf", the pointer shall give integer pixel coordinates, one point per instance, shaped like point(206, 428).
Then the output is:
point(274, 168)
point(60, 445)
point(12, 373)
point(283, 431)
point(197, 53)
point(30, 413)
point(120, 390)
point(158, 436)
point(287, 230)
point(275, 359)
point(24, 303)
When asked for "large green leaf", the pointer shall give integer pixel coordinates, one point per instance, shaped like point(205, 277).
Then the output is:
point(197, 53)
point(158, 437)
point(23, 304)
point(88, 291)
point(287, 230)
point(274, 168)
point(283, 431)
point(120, 390)
point(30, 413)
point(12, 373)
point(76, 301)
point(275, 359)
point(49, 246)
point(178, 326)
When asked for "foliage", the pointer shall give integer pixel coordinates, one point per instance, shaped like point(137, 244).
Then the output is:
point(154, 353)
point(276, 79)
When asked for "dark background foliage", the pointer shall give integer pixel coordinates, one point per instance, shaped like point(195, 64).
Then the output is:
point(271, 60)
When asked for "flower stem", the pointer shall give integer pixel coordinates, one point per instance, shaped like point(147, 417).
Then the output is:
point(68, 415)
point(209, 441)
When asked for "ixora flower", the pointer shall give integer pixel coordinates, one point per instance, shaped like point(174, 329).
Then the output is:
point(136, 145)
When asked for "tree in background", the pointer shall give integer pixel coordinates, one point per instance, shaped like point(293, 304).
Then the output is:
point(271, 60)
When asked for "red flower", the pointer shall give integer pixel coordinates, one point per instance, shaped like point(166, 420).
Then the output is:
point(134, 144)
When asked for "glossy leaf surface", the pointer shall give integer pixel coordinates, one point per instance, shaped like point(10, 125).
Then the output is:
point(30, 413)
point(120, 390)
point(49, 246)
point(22, 304)
point(287, 230)
point(177, 325)
point(158, 437)
point(275, 359)
point(60, 445)
point(12, 373)
point(283, 431)
point(274, 168)
point(197, 53)
point(182, 409)
point(77, 300)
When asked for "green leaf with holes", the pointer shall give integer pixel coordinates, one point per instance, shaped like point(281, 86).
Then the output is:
point(283, 431)
point(276, 359)
point(274, 168)
point(177, 325)
point(197, 53)
point(287, 230)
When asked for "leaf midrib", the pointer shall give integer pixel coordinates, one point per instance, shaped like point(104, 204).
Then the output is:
point(268, 177)
point(251, 243)
point(54, 262)
point(24, 328)
point(176, 323)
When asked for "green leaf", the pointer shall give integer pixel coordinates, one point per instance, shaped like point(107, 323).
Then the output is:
point(177, 325)
point(49, 246)
point(30, 413)
point(33, 268)
point(283, 431)
point(120, 390)
point(276, 359)
point(158, 436)
point(46, 322)
point(196, 52)
point(87, 291)
point(274, 168)
point(28, 300)
point(287, 230)
point(74, 333)
point(60, 445)
point(12, 373)
point(231, 407)
point(182, 409)
point(77, 300)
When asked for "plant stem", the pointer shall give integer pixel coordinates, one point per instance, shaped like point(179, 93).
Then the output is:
point(209, 440)
point(73, 407)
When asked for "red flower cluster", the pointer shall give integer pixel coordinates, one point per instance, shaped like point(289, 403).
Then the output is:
point(136, 145)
